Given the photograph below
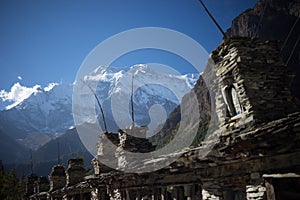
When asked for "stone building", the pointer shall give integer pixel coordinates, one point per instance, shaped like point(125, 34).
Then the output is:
point(30, 185)
point(57, 178)
point(256, 136)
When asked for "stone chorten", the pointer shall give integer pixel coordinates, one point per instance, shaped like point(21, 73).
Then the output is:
point(30, 184)
point(105, 153)
point(42, 184)
point(132, 139)
point(253, 84)
point(57, 178)
point(75, 171)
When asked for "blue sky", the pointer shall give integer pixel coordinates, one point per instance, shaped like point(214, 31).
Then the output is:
point(46, 41)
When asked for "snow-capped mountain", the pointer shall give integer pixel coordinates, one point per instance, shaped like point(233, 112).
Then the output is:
point(41, 116)
point(46, 113)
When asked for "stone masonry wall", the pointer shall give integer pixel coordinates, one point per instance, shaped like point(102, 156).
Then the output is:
point(75, 171)
point(57, 177)
point(262, 82)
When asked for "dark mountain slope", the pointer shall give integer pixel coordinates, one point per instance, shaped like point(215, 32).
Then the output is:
point(70, 147)
point(10, 150)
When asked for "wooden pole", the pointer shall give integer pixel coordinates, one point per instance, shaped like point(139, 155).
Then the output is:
point(212, 17)
point(131, 99)
point(99, 104)
point(58, 151)
point(31, 162)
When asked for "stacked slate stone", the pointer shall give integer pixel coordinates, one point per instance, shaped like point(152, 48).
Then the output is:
point(42, 184)
point(112, 148)
point(276, 136)
point(261, 80)
point(113, 137)
point(134, 140)
point(257, 192)
point(106, 153)
point(30, 185)
point(75, 171)
point(57, 178)
point(41, 188)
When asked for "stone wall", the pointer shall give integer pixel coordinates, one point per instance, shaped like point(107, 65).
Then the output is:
point(277, 18)
point(30, 185)
point(256, 192)
point(112, 148)
point(207, 196)
point(42, 184)
point(57, 177)
point(255, 72)
point(75, 171)
point(132, 139)
point(106, 145)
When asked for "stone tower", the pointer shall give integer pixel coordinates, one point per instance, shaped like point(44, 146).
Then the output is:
point(253, 84)
point(42, 184)
point(132, 139)
point(75, 171)
point(57, 178)
point(30, 185)
point(106, 147)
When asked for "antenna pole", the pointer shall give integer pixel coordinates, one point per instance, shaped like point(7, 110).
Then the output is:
point(99, 104)
point(131, 99)
point(293, 50)
point(31, 162)
point(212, 17)
point(58, 151)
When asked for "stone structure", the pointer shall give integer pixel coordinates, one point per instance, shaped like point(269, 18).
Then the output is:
point(132, 139)
point(252, 81)
point(64, 184)
point(75, 171)
point(274, 20)
point(41, 188)
point(57, 178)
point(1, 166)
point(30, 186)
point(256, 136)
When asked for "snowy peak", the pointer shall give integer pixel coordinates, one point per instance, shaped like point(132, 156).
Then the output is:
point(47, 100)
point(120, 79)
point(49, 110)
point(151, 84)
point(18, 93)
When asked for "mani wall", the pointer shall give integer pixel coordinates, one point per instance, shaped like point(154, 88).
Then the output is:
point(256, 148)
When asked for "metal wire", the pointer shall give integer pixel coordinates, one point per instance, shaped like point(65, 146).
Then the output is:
point(260, 20)
point(212, 17)
point(293, 50)
point(290, 33)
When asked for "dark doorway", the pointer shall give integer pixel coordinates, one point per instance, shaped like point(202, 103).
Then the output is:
point(285, 188)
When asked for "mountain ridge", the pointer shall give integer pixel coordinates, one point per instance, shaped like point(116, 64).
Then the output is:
point(45, 115)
